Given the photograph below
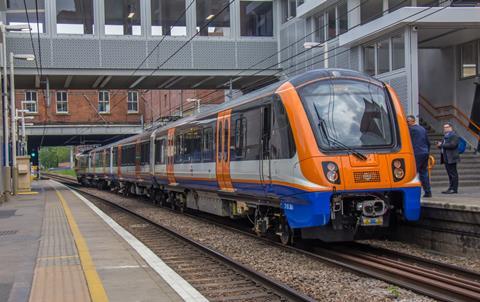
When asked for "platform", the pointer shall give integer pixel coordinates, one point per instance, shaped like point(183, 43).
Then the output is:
point(54, 247)
point(468, 199)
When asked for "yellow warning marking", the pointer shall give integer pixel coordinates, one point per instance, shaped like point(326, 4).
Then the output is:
point(27, 193)
point(94, 283)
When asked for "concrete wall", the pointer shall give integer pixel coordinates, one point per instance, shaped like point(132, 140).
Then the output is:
point(436, 73)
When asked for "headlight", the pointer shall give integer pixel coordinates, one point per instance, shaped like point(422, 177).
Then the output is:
point(398, 169)
point(330, 170)
point(332, 176)
point(398, 173)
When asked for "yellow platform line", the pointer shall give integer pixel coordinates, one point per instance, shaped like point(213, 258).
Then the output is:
point(94, 283)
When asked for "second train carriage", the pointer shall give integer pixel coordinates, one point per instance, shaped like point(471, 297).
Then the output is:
point(326, 153)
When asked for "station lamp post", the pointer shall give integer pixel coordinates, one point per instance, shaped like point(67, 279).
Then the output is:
point(195, 100)
point(13, 117)
point(3, 54)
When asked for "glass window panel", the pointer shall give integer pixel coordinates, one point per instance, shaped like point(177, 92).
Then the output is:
point(122, 17)
point(393, 5)
point(427, 2)
point(383, 57)
point(468, 54)
point(165, 14)
point(207, 11)
point(75, 17)
point(256, 18)
point(132, 101)
point(62, 102)
point(332, 26)
point(369, 59)
point(16, 14)
point(103, 102)
point(398, 52)
point(30, 102)
point(342, 17)
point(319, 27)
point(371, 10)
point(292, 5)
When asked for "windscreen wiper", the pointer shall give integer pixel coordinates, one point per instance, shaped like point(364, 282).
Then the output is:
point(330, 139)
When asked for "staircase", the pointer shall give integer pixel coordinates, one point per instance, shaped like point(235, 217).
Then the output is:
point(468, 168)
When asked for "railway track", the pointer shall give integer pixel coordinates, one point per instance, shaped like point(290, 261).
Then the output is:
point(217, 277)
point(434, 279)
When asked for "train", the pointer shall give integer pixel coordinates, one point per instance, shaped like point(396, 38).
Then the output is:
point(323, 155)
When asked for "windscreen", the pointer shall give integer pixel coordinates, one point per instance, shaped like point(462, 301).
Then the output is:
point(349, 113)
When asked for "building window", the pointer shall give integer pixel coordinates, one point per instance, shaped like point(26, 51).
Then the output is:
point(468, 59)
point(398, 52)
point(215, 13)
point(164, 18)
point(370, 10)
point(62, 102)
point(319, 27)
point(103, 102)
point(30, 102)
point(369, 59)
point(289, 9)
point(332, 23)
point(75, 17)
point(342, 17)
point(393, 5)
point(16, 14)
point(122, 17)
point(132, 102)
point(428, 3)
point(384, 56)
point(256, 18)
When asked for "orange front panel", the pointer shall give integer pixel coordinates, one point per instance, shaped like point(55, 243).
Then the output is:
point(170, 156)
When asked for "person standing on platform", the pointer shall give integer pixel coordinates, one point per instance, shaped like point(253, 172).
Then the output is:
point(450, 156)
point(421, 149)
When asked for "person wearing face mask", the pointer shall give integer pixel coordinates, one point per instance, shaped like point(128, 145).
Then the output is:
point(450, 156)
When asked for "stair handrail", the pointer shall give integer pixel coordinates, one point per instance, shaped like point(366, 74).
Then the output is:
point(438, 108)
point(437, 116)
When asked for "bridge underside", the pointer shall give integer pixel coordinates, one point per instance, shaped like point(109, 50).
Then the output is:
point(142, 80)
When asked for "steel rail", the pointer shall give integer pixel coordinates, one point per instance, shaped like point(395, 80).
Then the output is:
point(437, 280)
point(281, 289)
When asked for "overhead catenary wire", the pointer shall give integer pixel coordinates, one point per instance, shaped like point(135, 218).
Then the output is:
point(270, 80)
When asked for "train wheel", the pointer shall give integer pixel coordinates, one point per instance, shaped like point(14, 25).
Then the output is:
point(286, 234)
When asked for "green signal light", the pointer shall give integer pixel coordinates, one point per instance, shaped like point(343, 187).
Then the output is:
point(33, 154)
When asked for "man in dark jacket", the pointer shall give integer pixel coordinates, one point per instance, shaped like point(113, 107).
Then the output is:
point(421, 149)
point(450, 156)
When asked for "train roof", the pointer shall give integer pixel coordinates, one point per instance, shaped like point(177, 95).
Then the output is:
point(244, 99)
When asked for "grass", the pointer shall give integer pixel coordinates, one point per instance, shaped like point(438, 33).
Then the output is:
point(69, 172)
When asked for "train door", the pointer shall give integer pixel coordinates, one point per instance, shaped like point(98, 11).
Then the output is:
point(137, 158)
point(110, 166)
point(265, 164)
point(104, 161)
point(119, 161)
point(223, 151)
point(170, 155)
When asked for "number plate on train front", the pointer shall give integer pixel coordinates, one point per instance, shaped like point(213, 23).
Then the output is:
point(372, 221)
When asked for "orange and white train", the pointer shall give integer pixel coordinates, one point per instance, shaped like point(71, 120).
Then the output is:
point(324, 155)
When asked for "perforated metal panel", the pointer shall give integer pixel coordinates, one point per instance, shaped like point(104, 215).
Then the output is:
point(182, 60)
point(213, 55)
point(250, 53)
point(75, 53)
point(401, 87)
point(127, 54)
point(366, 176)
point(23, 45)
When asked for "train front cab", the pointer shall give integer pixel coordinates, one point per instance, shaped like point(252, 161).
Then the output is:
point(362, 168)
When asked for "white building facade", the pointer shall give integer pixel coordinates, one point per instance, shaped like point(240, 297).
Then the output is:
point(428, 51)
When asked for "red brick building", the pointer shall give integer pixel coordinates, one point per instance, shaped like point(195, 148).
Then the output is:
point(111, 106)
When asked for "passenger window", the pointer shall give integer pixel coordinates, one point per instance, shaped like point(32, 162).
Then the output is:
point(207, 142)
point(240, 137)
point(266, 131)
point(219, 147)
point(282, 144)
